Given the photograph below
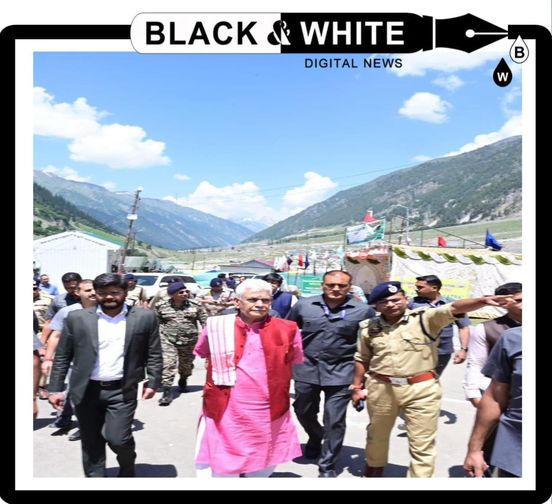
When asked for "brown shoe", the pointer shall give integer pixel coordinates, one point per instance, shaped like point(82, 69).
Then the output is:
point(372, 472)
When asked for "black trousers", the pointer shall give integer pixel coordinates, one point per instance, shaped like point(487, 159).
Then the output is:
point(443, 360)
point(105, 418)
point(332, 433)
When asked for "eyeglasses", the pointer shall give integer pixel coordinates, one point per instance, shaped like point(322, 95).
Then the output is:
point(183, 292)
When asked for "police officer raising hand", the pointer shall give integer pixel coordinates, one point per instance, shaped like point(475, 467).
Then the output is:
point(396, 359)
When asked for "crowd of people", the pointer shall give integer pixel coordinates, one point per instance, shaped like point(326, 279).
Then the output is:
point(258, 340)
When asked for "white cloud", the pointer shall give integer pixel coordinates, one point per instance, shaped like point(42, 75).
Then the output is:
point(510, 128)
point(119, 146)
point(114, 145)
point(314, 190)
point(234, 201)
point(444, 60)
point(421, 158)
point(66, 172)
point(181, 176)
point(509, 100)
point(63, 120)
point(427, 107)
point(244, 201)
point(110, 186)
point(449, 82)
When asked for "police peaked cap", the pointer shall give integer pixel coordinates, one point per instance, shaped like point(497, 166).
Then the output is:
point(383, 290)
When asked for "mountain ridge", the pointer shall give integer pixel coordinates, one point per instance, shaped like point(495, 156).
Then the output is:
point(481, 184)
point(161, 223)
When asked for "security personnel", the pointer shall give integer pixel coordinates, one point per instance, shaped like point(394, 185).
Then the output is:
point(395, 369)
point(217, 298)
point(178, 329)
point(136, 295)
point(41, 303)
point(329, 326)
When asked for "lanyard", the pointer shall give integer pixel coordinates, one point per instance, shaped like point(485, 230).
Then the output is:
point(333, 316)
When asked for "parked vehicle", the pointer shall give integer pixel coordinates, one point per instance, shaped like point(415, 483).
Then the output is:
point(152, 282)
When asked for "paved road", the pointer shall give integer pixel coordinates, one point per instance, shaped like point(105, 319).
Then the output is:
point(165, 438)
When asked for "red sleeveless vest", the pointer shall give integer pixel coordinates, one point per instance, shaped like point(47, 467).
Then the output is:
point(277, 337)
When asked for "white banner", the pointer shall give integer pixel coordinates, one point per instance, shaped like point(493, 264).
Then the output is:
point(459, 280)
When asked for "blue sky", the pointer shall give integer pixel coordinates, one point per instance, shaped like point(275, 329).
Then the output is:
point(260, 137)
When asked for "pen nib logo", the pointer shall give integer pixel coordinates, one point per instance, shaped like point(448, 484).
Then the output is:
point(280, 33)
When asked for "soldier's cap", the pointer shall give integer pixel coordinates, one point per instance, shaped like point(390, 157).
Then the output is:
point(130, 276)
point(175, 287)
point(215, 282)
point(383, 290)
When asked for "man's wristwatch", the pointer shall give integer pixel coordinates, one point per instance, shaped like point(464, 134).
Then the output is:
point(356, 387)
point(465, 348)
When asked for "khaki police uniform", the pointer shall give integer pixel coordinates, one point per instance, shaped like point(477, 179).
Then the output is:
point(401, 358)
point(215, 303)
point(135, 296)
point(178, 330)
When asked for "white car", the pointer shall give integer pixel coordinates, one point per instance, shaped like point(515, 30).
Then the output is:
point(152, 282)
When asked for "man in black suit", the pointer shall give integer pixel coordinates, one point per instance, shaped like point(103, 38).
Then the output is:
point(111, 346)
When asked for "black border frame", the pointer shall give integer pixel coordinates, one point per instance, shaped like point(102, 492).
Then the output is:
point(543, 38)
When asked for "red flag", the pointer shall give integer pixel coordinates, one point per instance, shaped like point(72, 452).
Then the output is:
point(369, 217)
point(300, 260)
point(441, 242)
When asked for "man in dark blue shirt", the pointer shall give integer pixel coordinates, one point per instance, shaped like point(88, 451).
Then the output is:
point(501, 403)
point(329, 326)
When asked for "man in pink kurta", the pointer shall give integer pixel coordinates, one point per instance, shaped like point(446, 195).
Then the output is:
point(246, 426)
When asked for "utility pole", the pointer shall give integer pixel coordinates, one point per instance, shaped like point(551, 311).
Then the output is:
point(408, 240)
point(132, 216)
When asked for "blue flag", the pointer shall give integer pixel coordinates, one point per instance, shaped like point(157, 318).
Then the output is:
point(492, 242)
point(307, 261)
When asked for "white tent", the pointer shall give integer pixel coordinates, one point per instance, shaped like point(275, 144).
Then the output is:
point(464, 272)
point(74, 251)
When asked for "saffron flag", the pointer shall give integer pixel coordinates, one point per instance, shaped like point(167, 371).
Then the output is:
point(492, 242)
point(369, 217)
point(441, 242)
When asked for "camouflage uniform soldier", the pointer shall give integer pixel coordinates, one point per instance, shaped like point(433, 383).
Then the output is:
point(162, 295)
point(178, 318)
point(41, 302)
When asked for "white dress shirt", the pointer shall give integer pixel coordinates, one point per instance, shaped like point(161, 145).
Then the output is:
point(111, 346)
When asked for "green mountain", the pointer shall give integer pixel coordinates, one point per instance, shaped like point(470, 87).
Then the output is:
point(54, 214)
point(483, 184)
